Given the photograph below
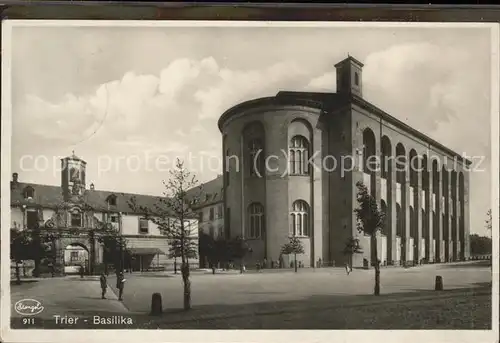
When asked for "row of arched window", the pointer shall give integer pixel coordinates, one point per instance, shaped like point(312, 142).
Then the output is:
point(298, 155)
point(299, 220)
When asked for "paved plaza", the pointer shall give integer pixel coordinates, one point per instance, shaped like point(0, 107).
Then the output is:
point(274, 299)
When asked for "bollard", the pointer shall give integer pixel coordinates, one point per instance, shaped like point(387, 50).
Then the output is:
point(156, 307)
point(439, 283)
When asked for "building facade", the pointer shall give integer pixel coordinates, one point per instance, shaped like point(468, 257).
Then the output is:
point(292, 161)
point(69, 213)
point(210, 207)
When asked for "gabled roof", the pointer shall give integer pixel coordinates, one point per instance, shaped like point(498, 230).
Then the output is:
point(211, 193)
point(45, 195)
point(48, 196)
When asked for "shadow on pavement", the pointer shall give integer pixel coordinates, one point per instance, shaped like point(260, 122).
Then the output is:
point(461, 308)
point(15, 283)
point(448, 309)
point(481, 264)
point(155, 275)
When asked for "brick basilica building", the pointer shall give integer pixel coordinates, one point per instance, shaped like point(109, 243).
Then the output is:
point(271, 191)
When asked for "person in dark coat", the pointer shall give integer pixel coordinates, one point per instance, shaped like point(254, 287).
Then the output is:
point(82, 270)
point(104, 285)
point(120, 283)
point(51, 269)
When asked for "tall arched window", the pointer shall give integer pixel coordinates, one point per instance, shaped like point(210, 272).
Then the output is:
point(383, 208)
point(255, 220)
point(299, 153)
point(227, 166)
point(399, 221)
point(256, 157)
point(299, 219)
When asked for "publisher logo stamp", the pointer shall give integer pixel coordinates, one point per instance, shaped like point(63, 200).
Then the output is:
point(28, 307)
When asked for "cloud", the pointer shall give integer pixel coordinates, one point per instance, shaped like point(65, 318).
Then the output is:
point(425, 85)
point(438, 90)
point(235, 86)
point(429, 87)
point(324, 83)
point(146, 117)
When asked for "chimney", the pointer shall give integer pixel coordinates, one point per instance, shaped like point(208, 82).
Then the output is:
point(92, 187)
point(14, 183)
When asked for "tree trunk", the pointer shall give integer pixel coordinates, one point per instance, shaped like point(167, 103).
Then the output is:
point(377, 279)
point(376, 290)
point(36, 270)
point(185, 274)
point(295, 262)
point(187, 286)
point(18, 274)
point(175, 265)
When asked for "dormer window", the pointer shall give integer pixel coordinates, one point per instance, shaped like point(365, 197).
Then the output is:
point(111, 200)
point(29, 193)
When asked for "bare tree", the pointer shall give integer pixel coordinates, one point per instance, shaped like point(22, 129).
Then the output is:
point(370, 220)
point(175, 218)
point(489, 220)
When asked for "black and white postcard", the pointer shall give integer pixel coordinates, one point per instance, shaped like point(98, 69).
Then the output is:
point(179, 181)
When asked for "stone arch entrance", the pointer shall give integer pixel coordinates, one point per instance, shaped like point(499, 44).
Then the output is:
point(76, 255)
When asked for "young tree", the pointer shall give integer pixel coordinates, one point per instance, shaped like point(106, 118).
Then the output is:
point(206, 249)
point(174, 216)
point(480, 245)
point(239, 249)
point(294, 246)
point(39, 247)
point(370, 220)
point(20, 245)
point(222, 251)
point(352, 246)
point(28, 244)
point(114, 245)
point(175, 252)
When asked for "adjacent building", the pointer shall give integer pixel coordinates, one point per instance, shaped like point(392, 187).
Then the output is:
point(292, 162)
point(71, 211)
point(208, 202)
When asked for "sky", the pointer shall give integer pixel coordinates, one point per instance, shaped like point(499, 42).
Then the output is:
point(129, 100)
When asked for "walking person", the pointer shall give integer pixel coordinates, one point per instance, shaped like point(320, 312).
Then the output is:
point(120, 283)
point(104, 285)
point(347, 268)
point(51, 269)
